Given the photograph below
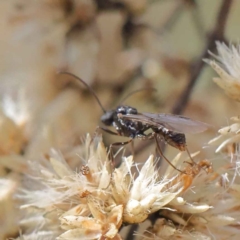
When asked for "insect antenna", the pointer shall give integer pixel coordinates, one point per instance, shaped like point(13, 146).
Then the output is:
point(136, 91)
point(86, 85)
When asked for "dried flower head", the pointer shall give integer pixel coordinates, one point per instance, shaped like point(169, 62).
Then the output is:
point(205, 210)
point(95, 201)
point(228, 69)
point(143, 195)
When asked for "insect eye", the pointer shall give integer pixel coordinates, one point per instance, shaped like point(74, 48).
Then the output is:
point(107, 118)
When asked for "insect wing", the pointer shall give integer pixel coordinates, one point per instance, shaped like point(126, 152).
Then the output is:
point(178, 123)
point(172, 122)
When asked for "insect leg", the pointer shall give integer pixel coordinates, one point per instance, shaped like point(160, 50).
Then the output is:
point(105, 130)
point(193, 162)
point(132, 148)
point(161, 154)
point(108, 131)
point(146, 137)
point(117, 144)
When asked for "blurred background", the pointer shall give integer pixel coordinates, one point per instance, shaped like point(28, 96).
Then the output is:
point(116, 47)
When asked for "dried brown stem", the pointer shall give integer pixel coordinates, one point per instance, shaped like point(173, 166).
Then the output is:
point(217, 34)
point(130, 234)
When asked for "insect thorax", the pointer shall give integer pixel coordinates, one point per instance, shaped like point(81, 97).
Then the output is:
point(127, 127)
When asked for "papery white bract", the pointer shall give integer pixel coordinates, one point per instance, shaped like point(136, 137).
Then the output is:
point(228, 69)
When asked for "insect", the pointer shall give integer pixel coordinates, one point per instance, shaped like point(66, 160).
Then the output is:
point(128, 122)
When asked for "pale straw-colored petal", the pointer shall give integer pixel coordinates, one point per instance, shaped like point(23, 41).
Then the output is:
point(79, 210)
point(60, 168)
point(193, 209)
point(115, 216)
point(80, 234)
point(233, 139)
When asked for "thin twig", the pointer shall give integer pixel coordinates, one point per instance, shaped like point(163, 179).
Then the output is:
point(217, 34)
point(172, 19)
point(197, 19)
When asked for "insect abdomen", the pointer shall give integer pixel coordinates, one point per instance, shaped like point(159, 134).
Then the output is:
point(174, 139)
